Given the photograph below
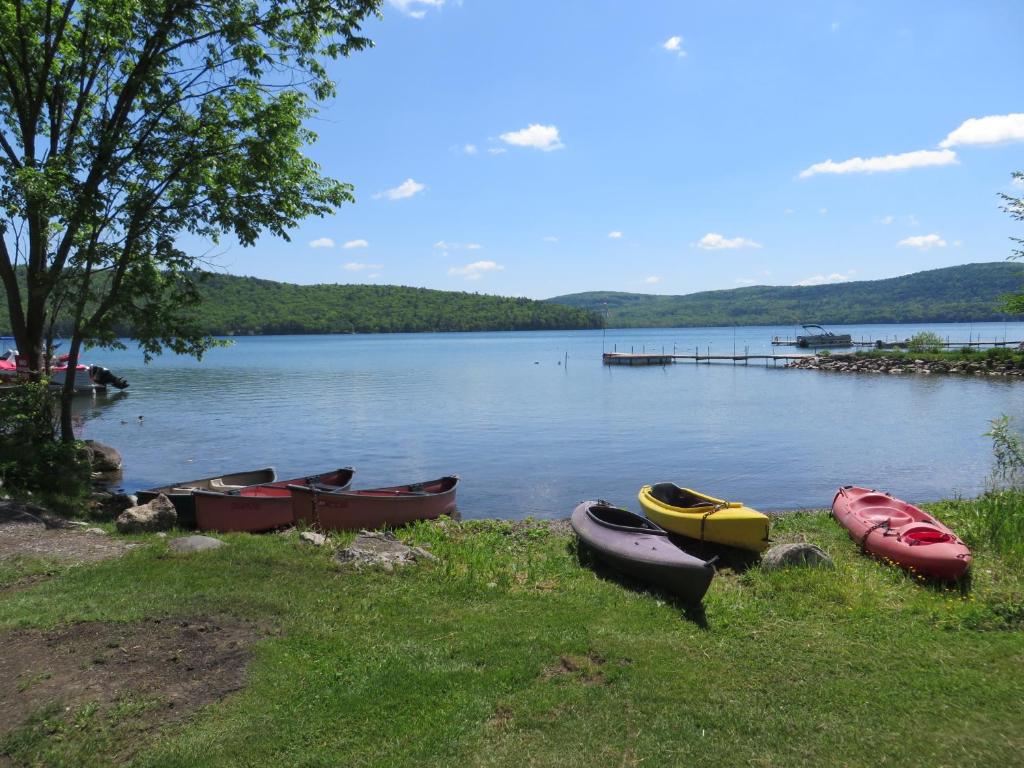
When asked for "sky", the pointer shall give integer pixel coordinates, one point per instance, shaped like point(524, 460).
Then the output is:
point(538, 148)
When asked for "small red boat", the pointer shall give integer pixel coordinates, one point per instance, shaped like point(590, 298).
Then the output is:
point(900, 532)
point(338, 509)
point(258, 507)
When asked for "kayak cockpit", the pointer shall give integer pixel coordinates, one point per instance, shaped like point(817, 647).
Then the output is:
point(621, 519)
point(682, 498)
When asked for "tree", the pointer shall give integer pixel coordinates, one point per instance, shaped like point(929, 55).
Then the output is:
point(126, 124)
point(1015, 207)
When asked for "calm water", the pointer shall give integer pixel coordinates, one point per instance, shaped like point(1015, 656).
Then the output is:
point(533, 422)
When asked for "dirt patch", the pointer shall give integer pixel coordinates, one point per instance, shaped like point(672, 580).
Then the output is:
point(586, 669)
point(176, 666)
point(23, 534)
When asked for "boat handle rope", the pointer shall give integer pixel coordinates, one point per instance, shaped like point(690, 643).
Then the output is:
point(869, 531)
point(706, 515)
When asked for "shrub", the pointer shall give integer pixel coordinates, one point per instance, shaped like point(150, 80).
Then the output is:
point(32, 459)
point(926, 341)
point(998, 515)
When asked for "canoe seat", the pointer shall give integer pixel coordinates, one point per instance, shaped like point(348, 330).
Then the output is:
point(895, 518)
point(220, 485)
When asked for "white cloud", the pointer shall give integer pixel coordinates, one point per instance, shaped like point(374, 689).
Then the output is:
point(321, 242)
point(713, 241)
point(919, 159)
point(355, 266)
point(497, 151)
point(835, 277)
point(446, 246)
point(823, 211)
point(550, 239)
point(372, 276)
point(924, 242)
point(356, 244)
point(413, 7)
point(542, 137)
point(994, 129)
point(675, 45)
point(887, 219)
point(470, 149)
point(1018, 182)
point(788, 212)
point(615, 235)
point(476, 270)
point(407, 188)
point(652, 280)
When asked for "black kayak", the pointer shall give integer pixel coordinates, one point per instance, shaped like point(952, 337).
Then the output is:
point(637, 547)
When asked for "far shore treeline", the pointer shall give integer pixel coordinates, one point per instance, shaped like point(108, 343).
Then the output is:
point(251, 306)
point(963, 294)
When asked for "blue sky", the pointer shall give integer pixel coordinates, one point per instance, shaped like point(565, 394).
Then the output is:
point(542, 148)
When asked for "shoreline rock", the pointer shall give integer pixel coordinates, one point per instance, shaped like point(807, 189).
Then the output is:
point(852, 363)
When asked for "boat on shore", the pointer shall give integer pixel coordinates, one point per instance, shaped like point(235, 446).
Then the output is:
point(705, 518)
point(258, 508)
point(816, 336)
point(180, 494)
point(337, 509)
point(892, 529)
point(637, 547)
point(88, 378)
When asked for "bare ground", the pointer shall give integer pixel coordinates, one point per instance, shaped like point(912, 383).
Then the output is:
point(174, 665)
point(27, 531)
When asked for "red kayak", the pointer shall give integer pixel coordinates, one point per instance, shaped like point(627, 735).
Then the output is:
point(258, 507)
point(900, 532)
point(337, 509)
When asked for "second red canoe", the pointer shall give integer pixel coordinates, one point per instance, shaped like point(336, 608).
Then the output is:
point(338, 509)
point(895, 530)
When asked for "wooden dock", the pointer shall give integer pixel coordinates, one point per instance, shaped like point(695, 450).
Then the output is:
point(642, 358)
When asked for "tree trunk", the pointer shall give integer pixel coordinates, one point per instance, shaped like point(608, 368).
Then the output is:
point(67, 393)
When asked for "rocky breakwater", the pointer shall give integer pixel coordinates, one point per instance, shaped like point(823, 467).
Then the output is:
point(980, 366)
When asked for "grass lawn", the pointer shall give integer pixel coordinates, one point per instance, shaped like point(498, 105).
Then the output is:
point(507, 652)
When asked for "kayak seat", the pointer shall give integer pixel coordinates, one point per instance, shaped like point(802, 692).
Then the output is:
point(674, 496)
point(891, 515)
point(925, 535)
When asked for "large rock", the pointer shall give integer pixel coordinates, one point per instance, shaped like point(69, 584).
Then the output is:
point(374, 548)
point(103, 458)
point(789, 555)
point(187, 544)
point(157, 515)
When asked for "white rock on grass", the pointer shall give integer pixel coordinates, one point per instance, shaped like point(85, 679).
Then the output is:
point(313, 539)
point(187, 544)
point(798, 554)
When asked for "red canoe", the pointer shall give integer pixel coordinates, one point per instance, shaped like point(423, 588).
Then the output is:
point(337, 509)
point(900, 532)
point(258, 507)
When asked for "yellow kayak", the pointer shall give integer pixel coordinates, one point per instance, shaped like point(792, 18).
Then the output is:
point(697, 516)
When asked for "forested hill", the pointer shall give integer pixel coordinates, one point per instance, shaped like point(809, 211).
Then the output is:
point(247, 305)
point(967, 293)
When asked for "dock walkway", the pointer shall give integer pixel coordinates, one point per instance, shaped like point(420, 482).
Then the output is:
point(643, 358)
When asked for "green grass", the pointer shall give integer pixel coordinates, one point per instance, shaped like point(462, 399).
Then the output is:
point(507, 652)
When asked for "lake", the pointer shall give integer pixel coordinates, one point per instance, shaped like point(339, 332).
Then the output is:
point(533, 422)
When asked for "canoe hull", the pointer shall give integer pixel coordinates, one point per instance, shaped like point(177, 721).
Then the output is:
point(339, 510)
point(180, 494)
point(643, 553)
point(719, 521)
point(259, 507)
point(895, 530)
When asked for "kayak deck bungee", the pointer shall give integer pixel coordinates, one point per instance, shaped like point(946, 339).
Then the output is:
point(705, 518)
point(895, 530)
